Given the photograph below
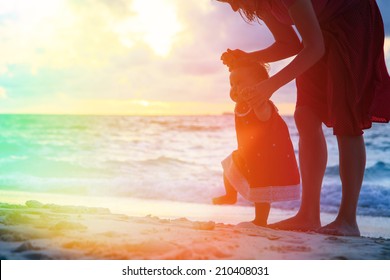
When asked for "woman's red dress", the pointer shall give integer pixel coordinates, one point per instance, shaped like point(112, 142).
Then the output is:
point(349, 88)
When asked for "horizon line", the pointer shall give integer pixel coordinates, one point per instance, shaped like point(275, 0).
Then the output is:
point(126, 115)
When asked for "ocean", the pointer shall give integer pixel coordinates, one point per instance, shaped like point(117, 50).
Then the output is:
point(168, 158)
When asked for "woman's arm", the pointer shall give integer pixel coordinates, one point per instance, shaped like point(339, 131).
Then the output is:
point(286, 42)
point(306, 22)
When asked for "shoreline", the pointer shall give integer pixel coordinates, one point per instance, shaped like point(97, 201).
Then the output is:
point(371, 227)
point(39, 231)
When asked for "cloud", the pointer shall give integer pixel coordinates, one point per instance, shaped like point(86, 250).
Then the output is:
point(96, 50)
point(93, 49)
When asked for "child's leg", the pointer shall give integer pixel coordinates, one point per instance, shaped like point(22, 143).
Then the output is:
point(261, 214)
point(231, 194)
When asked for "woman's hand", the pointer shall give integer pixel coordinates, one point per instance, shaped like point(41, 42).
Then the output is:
point(230, 56)
point(256, 95)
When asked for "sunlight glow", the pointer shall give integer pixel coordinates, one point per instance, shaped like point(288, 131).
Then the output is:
point(386, 48)
point(155, 23)
point(144, 103)
point(387, 44)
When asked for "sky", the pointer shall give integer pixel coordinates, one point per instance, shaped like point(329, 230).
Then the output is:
point(126, 57)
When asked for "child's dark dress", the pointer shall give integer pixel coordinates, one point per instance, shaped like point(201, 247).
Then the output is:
point(349, 88)
point(263, 168)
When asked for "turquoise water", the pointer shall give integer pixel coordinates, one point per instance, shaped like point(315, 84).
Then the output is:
point(164, 158)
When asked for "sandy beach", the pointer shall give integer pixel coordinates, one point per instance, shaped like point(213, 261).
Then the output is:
point(40, 230)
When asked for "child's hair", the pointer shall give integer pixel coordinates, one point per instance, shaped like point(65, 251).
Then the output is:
point(255, 67)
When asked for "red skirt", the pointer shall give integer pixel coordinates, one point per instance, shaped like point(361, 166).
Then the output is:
point(349, 88)
point(263, 168)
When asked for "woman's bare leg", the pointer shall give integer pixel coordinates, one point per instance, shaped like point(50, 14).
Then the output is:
point(352, 154)
point(312, 160)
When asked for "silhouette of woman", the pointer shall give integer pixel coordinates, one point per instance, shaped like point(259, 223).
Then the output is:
point(342, 81)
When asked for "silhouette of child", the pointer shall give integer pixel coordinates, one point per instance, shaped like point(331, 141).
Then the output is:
point(263, 169)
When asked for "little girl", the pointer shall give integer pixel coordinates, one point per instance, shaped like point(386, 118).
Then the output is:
point(263, 169)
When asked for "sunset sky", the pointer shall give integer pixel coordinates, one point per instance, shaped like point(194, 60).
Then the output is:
point(130, 57)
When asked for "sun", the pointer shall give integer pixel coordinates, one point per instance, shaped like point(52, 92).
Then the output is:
point(155, 23)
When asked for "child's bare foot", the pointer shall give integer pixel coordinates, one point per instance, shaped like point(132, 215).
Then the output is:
point(340, 228)
point(225, 199)
point(297, 223)
point(259, 223)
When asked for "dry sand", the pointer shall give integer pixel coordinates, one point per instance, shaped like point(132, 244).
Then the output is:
point(36, 230)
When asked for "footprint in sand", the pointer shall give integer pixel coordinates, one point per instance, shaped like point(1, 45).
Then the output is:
point(64, 225)
point(26, 246)
point(38, 256)
point(110, 234)
point(11, 236)
point(204, 225)
point(15, 218)
point(289, 248)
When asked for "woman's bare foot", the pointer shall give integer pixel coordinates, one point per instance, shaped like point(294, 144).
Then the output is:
point(225, 199)
point(340, 228)
point(297, 223)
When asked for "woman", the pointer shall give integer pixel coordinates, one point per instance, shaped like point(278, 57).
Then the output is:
point(342, 81)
